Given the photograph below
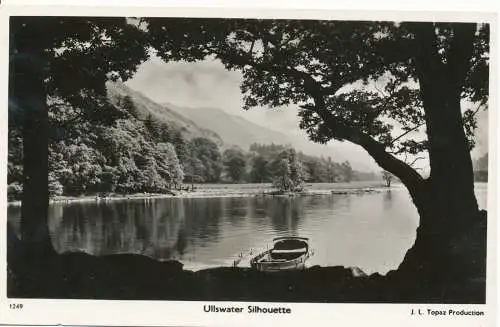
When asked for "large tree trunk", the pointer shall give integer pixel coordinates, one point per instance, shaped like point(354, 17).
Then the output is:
point(28, 94)
point(451, 240)
point(449, 254)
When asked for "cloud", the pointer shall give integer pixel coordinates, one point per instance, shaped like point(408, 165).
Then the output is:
point(206, 84)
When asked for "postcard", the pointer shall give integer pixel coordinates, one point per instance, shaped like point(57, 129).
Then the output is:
point(216, 167)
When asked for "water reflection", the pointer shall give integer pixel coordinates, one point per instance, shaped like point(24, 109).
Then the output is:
point(285, 214)
point(387, 199)
point(372, 231)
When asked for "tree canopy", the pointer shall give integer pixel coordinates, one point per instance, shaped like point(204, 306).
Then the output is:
point(75, 56)
point(354, 81)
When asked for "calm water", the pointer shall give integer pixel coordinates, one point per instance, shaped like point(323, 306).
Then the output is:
point(372, 231)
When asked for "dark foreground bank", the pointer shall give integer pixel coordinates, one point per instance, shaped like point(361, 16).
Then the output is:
point(137, 277)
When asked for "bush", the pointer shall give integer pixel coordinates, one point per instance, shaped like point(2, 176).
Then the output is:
point(55, 188)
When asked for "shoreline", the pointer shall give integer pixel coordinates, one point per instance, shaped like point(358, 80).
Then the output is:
point(224, 191)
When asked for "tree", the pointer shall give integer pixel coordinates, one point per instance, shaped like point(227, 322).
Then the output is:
point(387, 177)
point(82, 170)
point(169, 165)
point(346, 171)
point(235, 164)
point(204, 160)
point(316, 169)
point(69, 58)
point(164, 133)
point(281, 176)
point(181, 147)
point(356, 82)
point(129, 106)
point(296, 170)
point(153, 127)
point(260, 170)
point(287, 171)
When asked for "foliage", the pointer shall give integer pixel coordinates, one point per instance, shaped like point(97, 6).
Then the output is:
point(260, 169)
point(128, 105)
point(287, 171)
point(78, 55)
point(235, 164)
point(169, 163)
point(14, 191)
point(314, 169)
point(90, 157)
point(15, 156)
point(203, 160)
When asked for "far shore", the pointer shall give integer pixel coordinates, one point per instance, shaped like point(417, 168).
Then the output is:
point(228, 190)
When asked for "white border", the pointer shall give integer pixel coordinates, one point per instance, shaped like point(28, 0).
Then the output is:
point(134, 313)
point(365, 5)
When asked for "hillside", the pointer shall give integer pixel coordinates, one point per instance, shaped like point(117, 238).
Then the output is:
point(233, 130)
point(146, 106)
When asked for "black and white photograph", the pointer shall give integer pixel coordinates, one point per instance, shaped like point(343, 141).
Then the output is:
point(248, 160)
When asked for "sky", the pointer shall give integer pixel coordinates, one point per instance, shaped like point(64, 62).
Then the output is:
point(209, 84)
point(205, 84)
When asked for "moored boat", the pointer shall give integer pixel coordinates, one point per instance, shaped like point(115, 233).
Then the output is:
point(288, 253)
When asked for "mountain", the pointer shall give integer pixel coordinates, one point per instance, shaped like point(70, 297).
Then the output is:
point(233, 130)
point(145, 106)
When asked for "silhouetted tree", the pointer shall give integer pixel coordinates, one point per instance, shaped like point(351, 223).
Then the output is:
point(423, 71)
point(69, 58)
point(387, 177)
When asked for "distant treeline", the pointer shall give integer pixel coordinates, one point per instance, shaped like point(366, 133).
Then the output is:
point(481, 175)
point(137, 153)
point(481, 168)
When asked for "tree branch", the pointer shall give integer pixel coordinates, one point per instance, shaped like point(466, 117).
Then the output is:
point(416, 159)
point(250, 52)
point(477, 109)
point(410, 177)
point(382, 93)
point(407, 132)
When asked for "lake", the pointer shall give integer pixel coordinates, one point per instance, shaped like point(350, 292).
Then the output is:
point(371, 231)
